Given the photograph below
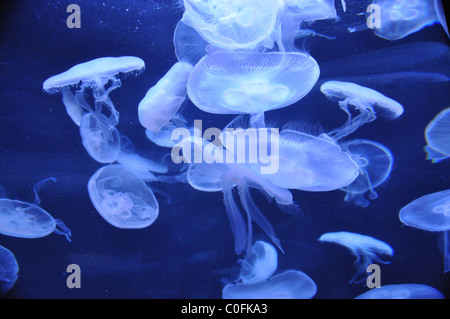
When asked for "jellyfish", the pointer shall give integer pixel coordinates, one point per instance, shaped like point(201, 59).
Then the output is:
point(366, 249)
point(292, 284)
point(251, 82)
point(375, 164)
point(431, 213)
point(400, 18)
point(363, 99)
point(437, 135)
point(260, 264)
point(311, 10)
point(8, 270)
point(121, 198)
point(190, 47)
point(441, 15)
point(29, 220)
point(232, 25)
point(164, 99)
point(403, 291)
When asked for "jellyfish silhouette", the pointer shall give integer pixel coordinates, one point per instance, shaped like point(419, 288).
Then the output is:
point(431, 213)
point(366, 249)
point(437, 135)
point(121, 198)
point(26, 220)
point(363, 99)
point(375, 164)
point(260, 264)
point(8, 270)
point(402, 291)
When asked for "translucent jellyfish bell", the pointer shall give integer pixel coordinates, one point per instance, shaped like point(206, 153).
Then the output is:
point(292, 284)
point(190, 47)
point(366, 249)
point(232, 25)
point(121, 198)
point(375, 164)
point(8, 270)
point(363, 99)
point(431, 213)
point(260, 264)
point(251, 82)
point(402, 291)
point(437, 135)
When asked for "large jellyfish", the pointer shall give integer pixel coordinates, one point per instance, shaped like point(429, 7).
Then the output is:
point(431, 213)
point(375, 164)
point(260, 264)
point(400, 18)
point(363, 99)
point(164, 99)
point(121, 198)
point(251, 82)
point(437, 135)
point(26, 220)
point(403, 291)
point(292, 284)
point(365, 248)
point(232, 25)
point(8, 270)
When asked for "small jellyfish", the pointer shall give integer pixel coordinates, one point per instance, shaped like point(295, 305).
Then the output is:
point(366, 249)
point(164, 99)
point(260, 264)
point(403, 291)
point(437, 135)
point(190, 47)
point(375, 164)
point(292, 284)
point(26, 220)
point(121, 198)
point(363, 99)
point(8, 270)
point(431, 213)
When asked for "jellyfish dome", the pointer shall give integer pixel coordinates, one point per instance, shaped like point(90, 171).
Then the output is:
point(366, 249)
point(292, 284)
point(403, 291)
point(251, 82)
point(260, 264)
point(232, 25)
point(121, 198)
point(8, 270)
point(375, 164)
point(437, 135)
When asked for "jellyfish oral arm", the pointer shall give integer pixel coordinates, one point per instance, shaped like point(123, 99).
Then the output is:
point(62, 229)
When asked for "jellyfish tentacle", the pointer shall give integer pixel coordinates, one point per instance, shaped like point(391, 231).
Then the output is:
point(62, 229)
point(235, 217)
point(38, 186)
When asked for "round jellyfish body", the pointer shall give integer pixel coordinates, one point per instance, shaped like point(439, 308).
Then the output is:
point(232, 25)
point(437, 135)
point(260, 264)
point(164, 99)
point(190, 47)
point(121, 198)
point(403, 291)
point(251, 82)
point(375, 164)
point(364, 99)
point(366, 249)
point(292, 284)
point(401, 18)
point(8, 270)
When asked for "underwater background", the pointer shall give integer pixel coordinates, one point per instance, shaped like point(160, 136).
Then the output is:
point(188, 252)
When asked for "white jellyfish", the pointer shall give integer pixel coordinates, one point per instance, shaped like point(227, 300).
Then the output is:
point(8, 270)
point(366, 249)
point(437, 135)
point(402, 291)
point(260, 264)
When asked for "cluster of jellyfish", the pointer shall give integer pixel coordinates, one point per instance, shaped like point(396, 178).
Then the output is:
point(240, 58)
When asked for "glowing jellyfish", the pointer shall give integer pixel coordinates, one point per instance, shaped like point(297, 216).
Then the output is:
point(403, 291)
point(8, 270)
point(375, 164)
point(437, 135)
point(190, 47)
point(292, 284)
point(232, 25)
point(363, 99)
point(164, 99)
point(441, 15)
point(251, 82)
point(431, 213)
point(366, 249)
point(260, 264)
point(26, 220)
point(121, 198)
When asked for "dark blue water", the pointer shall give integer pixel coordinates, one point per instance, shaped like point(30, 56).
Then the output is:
point(189, 250)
